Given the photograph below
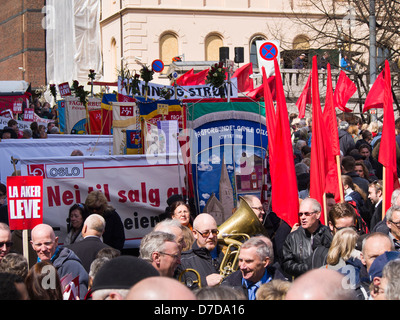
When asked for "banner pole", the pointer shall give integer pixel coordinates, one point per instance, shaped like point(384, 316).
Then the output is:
point(384, 192)
point(339, 170)
point(25, 245)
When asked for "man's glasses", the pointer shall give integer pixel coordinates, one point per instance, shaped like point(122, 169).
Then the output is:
point(206, 233)
point(307, 214)
point(175, 256)
point(8, 244)
point(397, 224)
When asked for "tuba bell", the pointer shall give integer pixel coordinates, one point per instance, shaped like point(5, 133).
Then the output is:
point(234, 231)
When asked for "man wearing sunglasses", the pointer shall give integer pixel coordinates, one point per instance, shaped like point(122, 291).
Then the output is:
point(205, 256)
point(300, 244)
point(5, 240)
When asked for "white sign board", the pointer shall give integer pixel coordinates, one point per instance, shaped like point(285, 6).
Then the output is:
point(267, 51)
point(137, 186)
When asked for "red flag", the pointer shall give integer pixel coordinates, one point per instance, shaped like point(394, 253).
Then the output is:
point(259, 91)
point(387, 150)
point(304, 98)
point(376, 94)
point(195, 79)
point(181, 80)
point(318, 166)
point(284, 192)
point(332, 141)
point(270, 114)
point(345, 88)
point(95, 122)
point(244, 82)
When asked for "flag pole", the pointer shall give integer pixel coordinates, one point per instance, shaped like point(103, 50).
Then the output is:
point(339, 172)
point(325, 208)
point(383, 192)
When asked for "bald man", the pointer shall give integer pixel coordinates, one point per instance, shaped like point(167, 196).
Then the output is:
point(87, 249)
point(205, 255)
point(160, 288)
point(45, 244)
point(320, 284)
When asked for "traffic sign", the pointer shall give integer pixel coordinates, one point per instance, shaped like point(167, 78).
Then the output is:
point(267, 51)
point(157, 65)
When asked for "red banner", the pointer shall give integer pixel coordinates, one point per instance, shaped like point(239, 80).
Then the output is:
point(25, 201)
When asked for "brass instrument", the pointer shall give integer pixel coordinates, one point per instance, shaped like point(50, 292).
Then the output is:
point(234, 231)
point(188, 281)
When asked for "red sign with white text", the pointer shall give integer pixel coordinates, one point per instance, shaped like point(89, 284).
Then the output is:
point(28, 114)
point(25, 201)
point(64, 89)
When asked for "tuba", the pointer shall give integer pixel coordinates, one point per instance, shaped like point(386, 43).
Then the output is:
point(233, 232)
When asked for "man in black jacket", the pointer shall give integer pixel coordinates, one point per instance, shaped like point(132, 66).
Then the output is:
point(300, 244)
point(348, 168)
point(205, 256)
point(87, 249)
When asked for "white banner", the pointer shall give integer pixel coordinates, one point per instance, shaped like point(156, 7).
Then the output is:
point(23, 124)
point(184, 92)
point(125, 117)
point(31, 148)
point(136, 189)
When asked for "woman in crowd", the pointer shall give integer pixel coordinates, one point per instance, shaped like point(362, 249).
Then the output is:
point(76, 218)
point(40, 274)
point(114, 234)
point(343, 248)
point(181, 211)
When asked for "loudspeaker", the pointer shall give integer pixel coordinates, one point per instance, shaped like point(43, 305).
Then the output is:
point(239, 54)
point(223, 53)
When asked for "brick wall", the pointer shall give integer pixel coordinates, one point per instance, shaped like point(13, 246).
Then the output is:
point(23, 42)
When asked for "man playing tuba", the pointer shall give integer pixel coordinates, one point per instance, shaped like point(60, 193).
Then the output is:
point(205, 255)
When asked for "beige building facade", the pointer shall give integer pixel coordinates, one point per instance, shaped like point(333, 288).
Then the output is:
point(136, 31)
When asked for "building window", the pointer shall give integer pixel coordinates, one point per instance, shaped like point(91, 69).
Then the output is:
point(253, 51)
point(114, 54)
point(168, 48)
point(212, 44)
point(301, 42)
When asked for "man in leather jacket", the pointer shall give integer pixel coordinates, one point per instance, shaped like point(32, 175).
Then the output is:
point(300, 243)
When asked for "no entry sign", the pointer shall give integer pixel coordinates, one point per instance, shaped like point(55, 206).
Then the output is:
point(25, 201)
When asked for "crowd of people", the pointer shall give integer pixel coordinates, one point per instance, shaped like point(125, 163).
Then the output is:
point(354, 256)
point(36, 130)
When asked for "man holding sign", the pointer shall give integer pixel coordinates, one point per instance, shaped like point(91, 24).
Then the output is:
point(25, 212)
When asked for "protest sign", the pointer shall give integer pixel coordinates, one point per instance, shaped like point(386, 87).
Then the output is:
point(25, 202)
point(137, 186)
